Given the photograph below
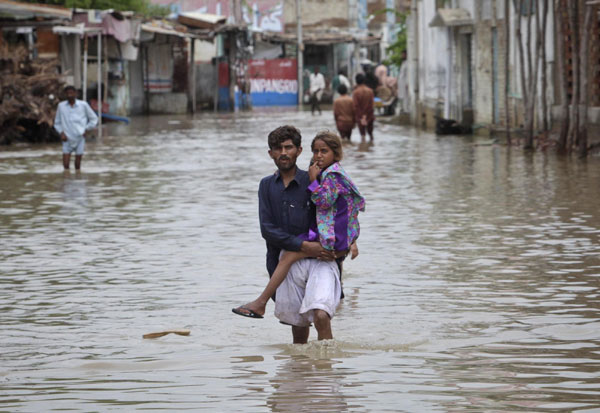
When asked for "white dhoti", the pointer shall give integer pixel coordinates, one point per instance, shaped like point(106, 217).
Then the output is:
point(310, 285)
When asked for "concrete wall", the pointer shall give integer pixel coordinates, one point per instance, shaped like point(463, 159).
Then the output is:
point(118, 93)
point(316, 14)
point(439, 72)
point(483, 79)
point(168, 103)
point(433, 56)
point(136, 87)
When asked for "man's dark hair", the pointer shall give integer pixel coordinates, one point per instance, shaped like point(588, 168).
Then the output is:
point(360, 79)
point(70, 87)
point(342, 89)
point(282, 134)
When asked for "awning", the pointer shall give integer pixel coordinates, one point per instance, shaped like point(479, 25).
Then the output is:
point(169, 31)
point(201, 20)
point(15, 10)
point(451, 18)
point(317, 38)
point(80, 29)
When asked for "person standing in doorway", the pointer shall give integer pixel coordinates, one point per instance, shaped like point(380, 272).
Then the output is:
point(343, 112)
point(339, 79)
point(317, 85)
point(363, 98)
point(403, 95)
point(73, 119)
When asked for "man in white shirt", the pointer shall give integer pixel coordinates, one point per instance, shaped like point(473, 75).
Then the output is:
point(73, 119)
point(403, 95)
point(317, 84)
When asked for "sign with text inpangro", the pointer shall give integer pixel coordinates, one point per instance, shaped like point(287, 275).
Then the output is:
point(272, 83)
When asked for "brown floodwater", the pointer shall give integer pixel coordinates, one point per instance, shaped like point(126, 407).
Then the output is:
point(476, 288)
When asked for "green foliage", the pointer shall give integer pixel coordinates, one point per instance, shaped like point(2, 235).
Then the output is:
point(394, 51)
point(139, 6)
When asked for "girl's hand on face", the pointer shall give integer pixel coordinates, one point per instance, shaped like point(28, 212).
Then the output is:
point(313, 171)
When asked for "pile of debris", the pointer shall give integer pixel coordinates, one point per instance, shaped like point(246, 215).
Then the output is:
point(29, 95)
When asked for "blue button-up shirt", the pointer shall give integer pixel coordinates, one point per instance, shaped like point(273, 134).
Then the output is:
point(284, 213)
point(74, 120)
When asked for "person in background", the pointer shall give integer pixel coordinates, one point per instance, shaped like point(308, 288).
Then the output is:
point(371, 80)
point(363, 99)
point(381, 72)
point(73, 119)
point(343, 113)
point(339, 79)
point(317, 85)
point(403, 95)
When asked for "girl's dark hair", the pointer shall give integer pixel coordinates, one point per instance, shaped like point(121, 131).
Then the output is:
point(332, 140)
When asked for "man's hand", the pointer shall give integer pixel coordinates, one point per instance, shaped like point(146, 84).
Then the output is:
point(63, 137)
point(315, 250)
point(353, 250)
point(363, 120)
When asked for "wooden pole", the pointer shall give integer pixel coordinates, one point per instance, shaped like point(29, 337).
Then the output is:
point(85, 67)
point(300, 52)
point(232, 74)
point(105, 46)
point(99, 72)
point(507, 68)
point(192, 77)
point(562, 74)
point(146, 81)
point(586, 33)
point(216, 85)
point(545, 123)
point(572, 137)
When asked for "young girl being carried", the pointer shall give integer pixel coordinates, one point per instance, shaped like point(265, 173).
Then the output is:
point(337, 202)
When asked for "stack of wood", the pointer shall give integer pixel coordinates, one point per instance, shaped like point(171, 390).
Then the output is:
point(29, 95)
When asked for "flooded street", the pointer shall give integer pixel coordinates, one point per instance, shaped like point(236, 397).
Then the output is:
point(476, 288)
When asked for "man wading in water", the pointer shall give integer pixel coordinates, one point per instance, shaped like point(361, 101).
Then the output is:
point(73, 119)
point(285, 212)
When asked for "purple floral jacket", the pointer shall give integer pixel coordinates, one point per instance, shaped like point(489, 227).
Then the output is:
point(338, 202)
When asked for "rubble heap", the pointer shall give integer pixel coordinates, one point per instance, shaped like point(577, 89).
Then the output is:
point(29, 91)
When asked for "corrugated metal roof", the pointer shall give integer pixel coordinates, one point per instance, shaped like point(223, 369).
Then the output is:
point(317, 38)
point(201, 20)
point(160, 28)
point(21, 11)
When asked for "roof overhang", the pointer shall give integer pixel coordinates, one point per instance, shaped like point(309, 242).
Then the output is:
point(15, 10)
point(451, 18)
point(318, 38)
point(201, 20)
point(80, 29)
point(156, 29)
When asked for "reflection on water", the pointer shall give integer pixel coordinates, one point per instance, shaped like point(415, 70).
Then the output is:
point(304, 384)
point(476, 288)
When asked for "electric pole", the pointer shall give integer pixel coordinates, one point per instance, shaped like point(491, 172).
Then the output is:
point(300, 53)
